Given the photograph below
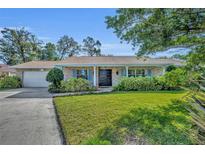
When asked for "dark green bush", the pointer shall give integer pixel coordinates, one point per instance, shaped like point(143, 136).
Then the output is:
point(55, 76)
point(10, 82)
point(171, 68)
point(76, 84)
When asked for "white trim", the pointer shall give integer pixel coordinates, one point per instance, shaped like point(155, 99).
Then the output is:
point(94, 78)
point(126, 71)
point(163, 70)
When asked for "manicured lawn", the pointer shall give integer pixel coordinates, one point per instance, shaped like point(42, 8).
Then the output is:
point(125, 118)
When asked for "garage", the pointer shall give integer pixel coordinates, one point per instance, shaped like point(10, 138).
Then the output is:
point(35, 79)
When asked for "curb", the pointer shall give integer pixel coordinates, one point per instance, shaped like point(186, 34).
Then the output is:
point(60, 128)
point(79, 93)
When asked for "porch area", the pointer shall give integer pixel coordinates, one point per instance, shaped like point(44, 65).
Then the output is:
point(108, 76)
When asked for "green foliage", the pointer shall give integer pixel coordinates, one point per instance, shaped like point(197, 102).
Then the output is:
point(53, 89)
point(10, 82)
point(107, 118)
point(67, 46)
point(170, 68)
point(180, 57)
point(155, 30)
point(196, 108)
point(172, 80)
point(55, 76)
point(143, 84)
point(76, 84)
point(138, 84)
point(176, 78)
point(152, 126)
point(91, 46)
point(18, 45)
point(97, 141)
point(49, 52)
point(159, 29)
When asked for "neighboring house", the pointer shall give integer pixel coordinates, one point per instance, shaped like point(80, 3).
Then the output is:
point(100, 71)
point(6, 70)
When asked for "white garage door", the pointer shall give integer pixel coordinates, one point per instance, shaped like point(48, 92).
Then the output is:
point(35, 79)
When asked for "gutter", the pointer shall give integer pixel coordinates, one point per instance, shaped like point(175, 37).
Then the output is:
point(118, 65)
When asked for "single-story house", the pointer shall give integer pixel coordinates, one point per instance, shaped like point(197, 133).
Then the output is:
point(100, 71)
point(7, 70)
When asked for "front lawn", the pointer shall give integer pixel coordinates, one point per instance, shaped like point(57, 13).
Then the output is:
point(125, 118)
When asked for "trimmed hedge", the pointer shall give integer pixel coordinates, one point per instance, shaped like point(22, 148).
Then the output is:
point(76, 85)
point(10, 82)
point(138, 84)
point(145, 84)
point(72, 85)
point(172, 80)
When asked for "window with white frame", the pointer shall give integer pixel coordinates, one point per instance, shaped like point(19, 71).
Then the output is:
point(136, 72)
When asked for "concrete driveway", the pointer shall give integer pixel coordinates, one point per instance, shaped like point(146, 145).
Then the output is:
point(27, 116)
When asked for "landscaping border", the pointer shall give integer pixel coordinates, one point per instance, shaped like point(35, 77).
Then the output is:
point(79, 93)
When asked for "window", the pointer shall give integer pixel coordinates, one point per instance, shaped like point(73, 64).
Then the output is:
point(136, 72)
point(83, 73)
point(140, 72)
point(131, 73)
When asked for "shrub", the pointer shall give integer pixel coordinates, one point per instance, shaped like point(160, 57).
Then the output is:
point(55, 76)
point(171, 68)
point(10, 82)
point(176, 78)
point(170, 81)
point(139, 84)
point(54, 89)
point(76, 84)
point(162, 83)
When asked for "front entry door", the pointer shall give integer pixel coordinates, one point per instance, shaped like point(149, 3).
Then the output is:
point(105, 77)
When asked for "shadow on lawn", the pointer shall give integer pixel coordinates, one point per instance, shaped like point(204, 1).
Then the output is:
point(161, 125)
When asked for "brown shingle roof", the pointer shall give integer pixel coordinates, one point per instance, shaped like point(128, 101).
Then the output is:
point(36, 64)
point(6, 68)
point(101, 60)
point(119, 60)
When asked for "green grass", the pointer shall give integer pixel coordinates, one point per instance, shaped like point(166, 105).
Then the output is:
point(127, 117)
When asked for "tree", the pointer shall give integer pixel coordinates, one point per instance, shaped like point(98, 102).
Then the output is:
point(67, 46)
point(154, 30)
point(180, 56)
point(49, 52)
point(91, 46)
point(18, 45)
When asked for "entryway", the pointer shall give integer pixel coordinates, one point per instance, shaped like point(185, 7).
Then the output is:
point(105, 77)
